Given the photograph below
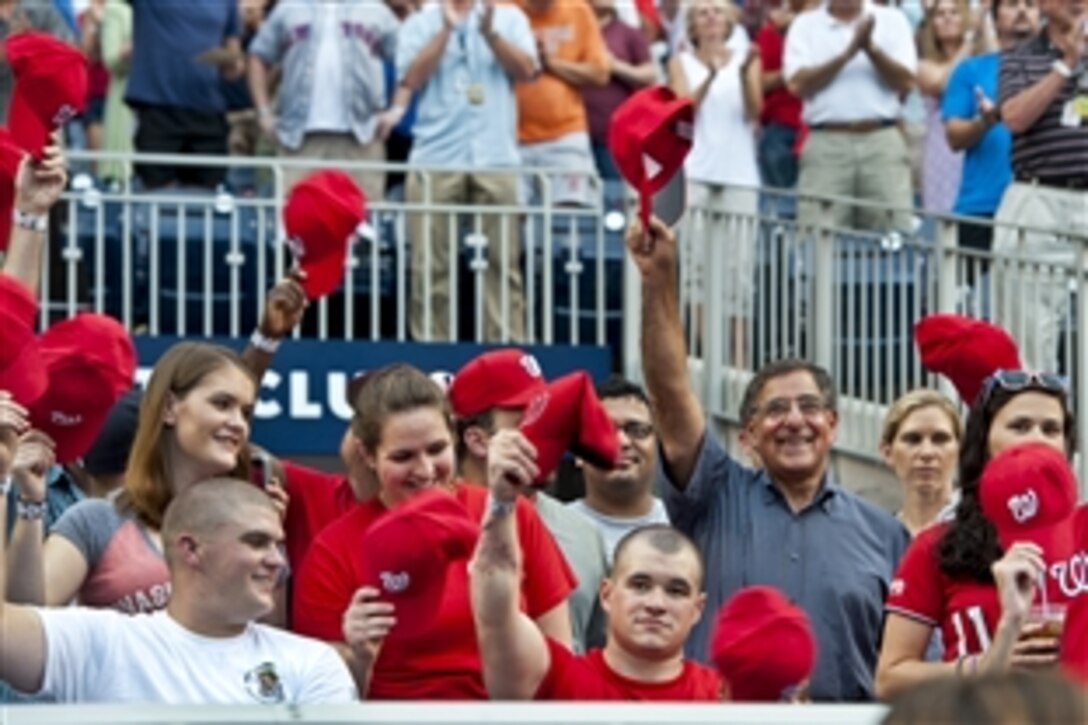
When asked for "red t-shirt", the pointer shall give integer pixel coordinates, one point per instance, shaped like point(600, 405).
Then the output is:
point(966, 611)
point(443, 662)
point(316, 500)
point(588, 677)
point(779, 106)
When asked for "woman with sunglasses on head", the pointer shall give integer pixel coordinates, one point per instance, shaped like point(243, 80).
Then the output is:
point(194, 424)
point(947, 577)
point(403, 432)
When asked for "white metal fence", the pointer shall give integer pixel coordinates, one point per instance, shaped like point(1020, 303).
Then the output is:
point(199, 263)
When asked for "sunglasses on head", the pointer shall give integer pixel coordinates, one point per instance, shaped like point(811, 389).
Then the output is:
point(1016, 380)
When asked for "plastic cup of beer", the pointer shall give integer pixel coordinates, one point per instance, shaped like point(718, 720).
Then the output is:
point(1051, 617)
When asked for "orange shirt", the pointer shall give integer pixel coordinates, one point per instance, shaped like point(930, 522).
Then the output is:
point(549, 107)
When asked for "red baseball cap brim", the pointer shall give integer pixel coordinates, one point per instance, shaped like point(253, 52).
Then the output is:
point(323, 275)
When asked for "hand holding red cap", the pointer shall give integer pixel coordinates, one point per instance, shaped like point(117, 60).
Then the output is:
point(321, 216)
point(650, 135)
point(50, 87)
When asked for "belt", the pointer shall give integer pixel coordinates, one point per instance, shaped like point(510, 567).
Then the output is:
point(1058, 182)
point(864, 126)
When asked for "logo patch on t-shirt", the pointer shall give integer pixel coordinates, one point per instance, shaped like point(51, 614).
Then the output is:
point(263, 682)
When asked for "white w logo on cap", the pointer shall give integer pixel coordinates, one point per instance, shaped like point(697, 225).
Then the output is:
point(1025, 506)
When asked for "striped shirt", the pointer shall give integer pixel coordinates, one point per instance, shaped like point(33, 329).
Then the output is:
point(1048, 150)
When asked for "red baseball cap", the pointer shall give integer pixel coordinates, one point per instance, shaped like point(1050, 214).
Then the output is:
point(762, 644)
point(409, 552)
point(11, 155)
point(321, 216)
point(50, 87)
point(964, 350)
point(1074, 647)
point(650, 135)
point(91, 362)
point(567, 415)
point(1029, 493)
point(506, 378)
point(22, 372)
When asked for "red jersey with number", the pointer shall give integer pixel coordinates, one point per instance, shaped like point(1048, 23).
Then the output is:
point(316, 500)
point(588, 677)
point(443, 661)
point(966, 611)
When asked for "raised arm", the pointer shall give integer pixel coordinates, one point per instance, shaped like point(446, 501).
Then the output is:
point(897, 76)
point(512, 647)
point(283, 310)
point(38, 186)
point(664, 357)
point(32, 461)
point(22, 642)
point(518, 64)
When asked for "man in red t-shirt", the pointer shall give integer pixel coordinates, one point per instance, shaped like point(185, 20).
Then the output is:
point(653, 598)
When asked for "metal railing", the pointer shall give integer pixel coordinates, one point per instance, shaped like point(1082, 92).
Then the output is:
point(848, 300)
point(173, 262)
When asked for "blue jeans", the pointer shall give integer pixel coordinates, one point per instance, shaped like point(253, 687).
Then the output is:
point(778, 167)
point(606, 167)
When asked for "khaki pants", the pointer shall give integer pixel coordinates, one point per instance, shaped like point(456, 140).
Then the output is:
point(336, 148)
point(1031, 290)
point(503, 291)
point(872, 166)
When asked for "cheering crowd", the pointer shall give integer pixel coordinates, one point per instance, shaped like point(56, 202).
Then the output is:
point(154, 554)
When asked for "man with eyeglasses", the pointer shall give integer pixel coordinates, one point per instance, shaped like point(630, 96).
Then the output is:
point(621, 500)
point(789, 525)
point(489, 394)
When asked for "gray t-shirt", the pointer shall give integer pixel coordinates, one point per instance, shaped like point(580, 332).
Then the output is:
point(834, 559)
point(613, 528)
point(581, 543)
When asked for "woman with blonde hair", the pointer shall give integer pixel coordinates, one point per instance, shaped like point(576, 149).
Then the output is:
point(723, 175)
point(920, 442)
point(948, 34)
point(194, 424)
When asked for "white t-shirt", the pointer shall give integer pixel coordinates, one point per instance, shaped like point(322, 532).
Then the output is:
point(328, 107)
point(101, 655)
point(856, 93)
point(613, 529)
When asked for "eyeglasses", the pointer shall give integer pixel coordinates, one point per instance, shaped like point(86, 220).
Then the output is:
point(1017, 380)
point(636, 430)
point(776, 409)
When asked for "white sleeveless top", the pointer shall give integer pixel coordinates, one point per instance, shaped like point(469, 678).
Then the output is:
point(724, 149)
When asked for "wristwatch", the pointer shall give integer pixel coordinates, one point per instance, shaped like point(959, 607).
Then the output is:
point(32, 510)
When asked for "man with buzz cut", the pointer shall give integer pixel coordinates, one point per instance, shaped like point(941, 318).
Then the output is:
point(222, 541)
point(653, 598)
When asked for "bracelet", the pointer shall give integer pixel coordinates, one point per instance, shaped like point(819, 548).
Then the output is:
point(265, 344)
point(33, 222)
point(1061, 68)
point(500, 508)
point(5, 485)
point(30, 510)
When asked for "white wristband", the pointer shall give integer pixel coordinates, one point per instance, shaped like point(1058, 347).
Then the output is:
point(264, 344)
point(33, 222)
point(1061, 68)
point(500, 508)
point(32, 510)
point(5, 485)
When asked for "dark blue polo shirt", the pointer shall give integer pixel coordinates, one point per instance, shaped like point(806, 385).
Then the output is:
point(834, 559)
point(166, 38)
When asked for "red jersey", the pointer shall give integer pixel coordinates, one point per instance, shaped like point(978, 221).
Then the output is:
point(779, 106)
point(316, 500)
point(442, 662)
point(588, 677)
point(966, 611)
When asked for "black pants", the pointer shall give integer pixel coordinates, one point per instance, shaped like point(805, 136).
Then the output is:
point(173, 130)
point(979, 238)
